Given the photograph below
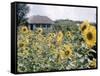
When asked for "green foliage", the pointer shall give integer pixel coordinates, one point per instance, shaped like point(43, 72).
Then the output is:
point(65, 25)
point(22, 10)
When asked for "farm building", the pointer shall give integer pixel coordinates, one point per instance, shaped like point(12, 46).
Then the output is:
point(39, 21)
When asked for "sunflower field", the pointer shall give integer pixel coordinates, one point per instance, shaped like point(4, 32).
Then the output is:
point(56, 50)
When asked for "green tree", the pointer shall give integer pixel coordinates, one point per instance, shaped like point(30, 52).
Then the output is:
point(22, 10)
point(64, 25)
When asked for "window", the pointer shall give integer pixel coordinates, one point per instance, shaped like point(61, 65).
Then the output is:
point(44, 26)
point(48, 26)
point(31, 26)
point(37, 25)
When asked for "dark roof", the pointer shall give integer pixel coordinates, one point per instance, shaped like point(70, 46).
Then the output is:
point(40, 19)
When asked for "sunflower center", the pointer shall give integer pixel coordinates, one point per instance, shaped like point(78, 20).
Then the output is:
point(50, 35)
point(89, 36)
point(26, 48)
point(24, 29)
point(67, 52)
point(21, 45)
point(84, 27)
point(39, 30)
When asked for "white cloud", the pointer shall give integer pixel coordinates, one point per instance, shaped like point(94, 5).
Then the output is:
point(62, 12)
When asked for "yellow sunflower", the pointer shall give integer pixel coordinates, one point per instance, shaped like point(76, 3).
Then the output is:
point(90, 36)
point(61, 54)
point(39, 30)
point(68, 50)
point(24, 29)
point(69, 34)
point(51, 35)
point(24, 53)
point(92, 63)
point(21, 44)
point(39, 50)
point(84, 26)
point(49, 38)
point(59, 37)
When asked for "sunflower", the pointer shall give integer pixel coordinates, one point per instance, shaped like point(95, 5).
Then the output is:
point(24, 53)
point(90, 36)
point(84, 26)
point(92, 63)
point(39, 30)
point(68, 50)
point(49, 38)
point(24, 29)
point(21, 44)
point(61, 54)
point(69, 34)
point(39, 50)
point(59, 37)
point(51, 35)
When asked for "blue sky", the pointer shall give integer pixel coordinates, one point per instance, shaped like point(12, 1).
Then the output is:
point(62, 12)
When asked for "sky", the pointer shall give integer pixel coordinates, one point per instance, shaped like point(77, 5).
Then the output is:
point(62, 12)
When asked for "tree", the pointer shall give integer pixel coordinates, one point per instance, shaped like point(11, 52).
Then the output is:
point(22, 10)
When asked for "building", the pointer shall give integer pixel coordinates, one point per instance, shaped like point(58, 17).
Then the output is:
point(39, 21)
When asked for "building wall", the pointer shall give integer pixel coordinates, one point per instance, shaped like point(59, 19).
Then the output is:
point(34, 26)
